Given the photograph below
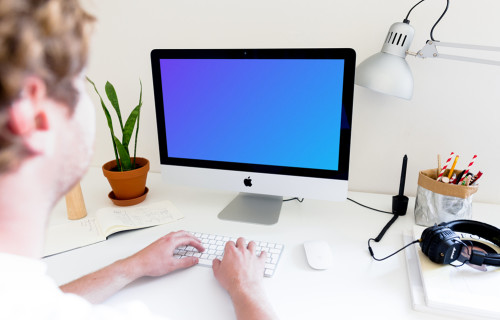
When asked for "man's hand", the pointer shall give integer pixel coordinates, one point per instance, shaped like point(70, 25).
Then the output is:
point(241, 273)
point(158, 258)
point(155, 260)
point(241, 268)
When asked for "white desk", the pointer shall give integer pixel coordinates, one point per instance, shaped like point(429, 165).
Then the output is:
point(357, 287)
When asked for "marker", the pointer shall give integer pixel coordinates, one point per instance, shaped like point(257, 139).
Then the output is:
point(478, 175)
point(459, 177)
point(453, 167)
point(467, 180)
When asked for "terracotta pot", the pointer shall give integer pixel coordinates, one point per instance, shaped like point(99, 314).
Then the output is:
point(127, 184)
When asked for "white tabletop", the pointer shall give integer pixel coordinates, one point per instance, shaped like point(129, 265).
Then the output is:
point(356, 287)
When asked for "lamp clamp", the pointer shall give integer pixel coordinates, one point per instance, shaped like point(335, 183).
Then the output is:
point(430, 51)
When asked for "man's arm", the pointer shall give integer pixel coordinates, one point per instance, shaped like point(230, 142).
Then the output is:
point(154, 260)
point(240, 272)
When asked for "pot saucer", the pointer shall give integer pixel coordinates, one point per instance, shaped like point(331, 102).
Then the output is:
point(128, 202)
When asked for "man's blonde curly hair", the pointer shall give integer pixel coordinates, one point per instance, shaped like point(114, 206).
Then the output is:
point(48, 39)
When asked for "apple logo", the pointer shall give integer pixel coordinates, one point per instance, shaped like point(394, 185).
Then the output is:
point(247, 182)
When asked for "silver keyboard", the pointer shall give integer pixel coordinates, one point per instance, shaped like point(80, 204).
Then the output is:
point(214, 248)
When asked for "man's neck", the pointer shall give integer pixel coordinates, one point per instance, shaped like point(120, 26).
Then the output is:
point(24, 210)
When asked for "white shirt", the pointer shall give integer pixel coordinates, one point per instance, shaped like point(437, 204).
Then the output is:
point(26, 292)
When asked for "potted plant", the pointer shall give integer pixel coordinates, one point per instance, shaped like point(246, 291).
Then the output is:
point(126, 174)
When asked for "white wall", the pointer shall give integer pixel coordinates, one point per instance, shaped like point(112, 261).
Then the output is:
point(455, 107)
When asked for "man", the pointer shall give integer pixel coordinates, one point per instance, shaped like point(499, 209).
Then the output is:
point(46, 139)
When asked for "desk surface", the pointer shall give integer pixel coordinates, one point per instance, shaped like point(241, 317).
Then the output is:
point(356, 287)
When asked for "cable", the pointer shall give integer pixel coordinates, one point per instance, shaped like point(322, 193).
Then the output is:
point(406, 19)
point(295, 198)
point(435, 24)
point(368, 207)
point(382, 233)
point(387, 226)
point(442, 15)
point(373, 256)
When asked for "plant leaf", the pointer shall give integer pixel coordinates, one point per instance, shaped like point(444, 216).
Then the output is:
point(124, 156)
point(138, 121)
point(128, 130)
point(108, 117)
point(113, 98)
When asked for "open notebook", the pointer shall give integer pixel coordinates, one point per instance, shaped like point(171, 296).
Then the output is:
point(461, 292)
point(83, 232)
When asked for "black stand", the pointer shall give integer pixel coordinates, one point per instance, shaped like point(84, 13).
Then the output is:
point(399, 207)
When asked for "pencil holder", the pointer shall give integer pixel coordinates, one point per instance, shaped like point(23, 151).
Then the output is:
point(441, 202)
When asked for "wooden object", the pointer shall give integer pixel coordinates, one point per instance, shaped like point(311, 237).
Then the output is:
point(75, 204)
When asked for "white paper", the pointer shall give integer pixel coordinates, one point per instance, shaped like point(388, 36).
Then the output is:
point(72, 235)
point(114, 219)
point(76, 234)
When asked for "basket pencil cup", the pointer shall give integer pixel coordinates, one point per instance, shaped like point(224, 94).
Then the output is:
point(438, 202)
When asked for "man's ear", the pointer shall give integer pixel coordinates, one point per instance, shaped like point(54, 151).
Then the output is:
point(28, 118)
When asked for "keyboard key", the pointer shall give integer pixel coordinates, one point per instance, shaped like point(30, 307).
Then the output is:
point(205, 262)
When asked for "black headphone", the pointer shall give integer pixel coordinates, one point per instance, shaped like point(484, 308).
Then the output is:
point(442, 245)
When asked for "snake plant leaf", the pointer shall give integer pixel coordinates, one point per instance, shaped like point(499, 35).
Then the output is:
point(113, 98)
point(108, 117)
point(138, 121)
point(128, 130)
point(124, 156)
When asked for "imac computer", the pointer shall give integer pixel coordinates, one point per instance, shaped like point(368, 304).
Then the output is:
point(266, 123)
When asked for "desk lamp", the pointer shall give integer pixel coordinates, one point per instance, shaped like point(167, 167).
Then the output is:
point(388, 72)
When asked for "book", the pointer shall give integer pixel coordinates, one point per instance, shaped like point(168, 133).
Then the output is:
point(461, 292)
point(107, 221)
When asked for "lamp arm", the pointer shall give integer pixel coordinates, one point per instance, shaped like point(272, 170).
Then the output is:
point(430, 51)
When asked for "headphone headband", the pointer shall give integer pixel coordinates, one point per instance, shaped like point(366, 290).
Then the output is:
point(484, 230)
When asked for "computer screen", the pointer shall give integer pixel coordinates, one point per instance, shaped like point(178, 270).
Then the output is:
point(271, 122)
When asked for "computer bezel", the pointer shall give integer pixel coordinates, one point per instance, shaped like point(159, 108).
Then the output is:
point(346, 54)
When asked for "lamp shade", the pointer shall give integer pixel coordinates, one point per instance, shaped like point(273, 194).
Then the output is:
point(387, 71)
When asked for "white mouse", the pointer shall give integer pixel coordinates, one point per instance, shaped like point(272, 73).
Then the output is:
point(318, 254)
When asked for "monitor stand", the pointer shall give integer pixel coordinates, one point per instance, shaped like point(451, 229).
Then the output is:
point(253, 208)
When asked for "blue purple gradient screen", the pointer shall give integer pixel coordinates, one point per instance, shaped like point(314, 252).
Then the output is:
point(260, 111)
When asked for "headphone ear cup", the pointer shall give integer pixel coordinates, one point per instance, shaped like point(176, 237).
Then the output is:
point(436, 241)
point(426, 238)
point(433, 249)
